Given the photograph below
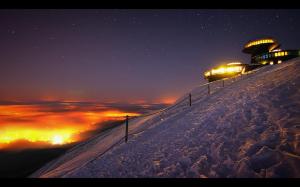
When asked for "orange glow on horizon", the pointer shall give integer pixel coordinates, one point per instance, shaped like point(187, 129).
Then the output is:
point(167, 100)
point(37, 135)
point(118, 114)
point(54, 126)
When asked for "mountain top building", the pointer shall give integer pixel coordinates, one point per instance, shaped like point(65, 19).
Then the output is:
point(224, 71)
point(265, 51)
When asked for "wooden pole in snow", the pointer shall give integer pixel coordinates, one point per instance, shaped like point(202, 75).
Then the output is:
point(208, 88)
point(126, 130)
point(190, 96)
point(223, 83)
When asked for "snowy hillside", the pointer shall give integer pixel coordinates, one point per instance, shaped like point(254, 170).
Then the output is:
point(249, 128)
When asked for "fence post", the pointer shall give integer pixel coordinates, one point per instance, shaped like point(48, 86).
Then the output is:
point(223, 83)
point(208, 88)
point(126, 130)
point(190, 96)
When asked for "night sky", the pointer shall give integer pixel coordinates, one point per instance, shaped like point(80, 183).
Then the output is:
point(126, 55)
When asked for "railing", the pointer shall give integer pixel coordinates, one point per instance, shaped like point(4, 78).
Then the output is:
point(186, 101)
point(194, 96)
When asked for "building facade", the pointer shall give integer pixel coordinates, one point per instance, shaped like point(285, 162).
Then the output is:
point(265, 51)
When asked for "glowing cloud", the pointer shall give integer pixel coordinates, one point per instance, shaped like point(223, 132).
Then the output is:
point(55, 125)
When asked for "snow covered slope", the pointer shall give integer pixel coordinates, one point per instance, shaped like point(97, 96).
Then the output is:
point(249, 128)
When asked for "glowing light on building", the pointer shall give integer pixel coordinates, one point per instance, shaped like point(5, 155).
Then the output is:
point(234, 63)
point(224, 70)
point(259, 42)
point(269, 51)
point(264, 62)
point(207, 73)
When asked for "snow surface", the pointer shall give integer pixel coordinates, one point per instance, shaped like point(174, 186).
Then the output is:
point(249, 128)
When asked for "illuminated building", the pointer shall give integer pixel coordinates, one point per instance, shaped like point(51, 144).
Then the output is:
point(225, 71)
point(266, 51)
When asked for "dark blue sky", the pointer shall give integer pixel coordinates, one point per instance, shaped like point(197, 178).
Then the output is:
point(126, 55)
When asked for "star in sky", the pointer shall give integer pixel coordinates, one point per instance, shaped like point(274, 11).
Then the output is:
point(170, 42)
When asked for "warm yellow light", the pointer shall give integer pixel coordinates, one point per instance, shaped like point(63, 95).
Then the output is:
point(35, 124)
point(234, 69)
point(224, 70)
point(264, 62)
point(232, 63)
point(36, 135)
point(206, 74)
point(116, 113)
point(258, 42)
point(218, 71)
point(279, 61)
point(57, 140)
point(271, 62)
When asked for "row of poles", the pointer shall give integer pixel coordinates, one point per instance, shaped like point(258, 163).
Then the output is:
point(190, 104)
point(127, 119)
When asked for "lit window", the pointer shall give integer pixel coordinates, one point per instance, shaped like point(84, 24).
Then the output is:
point(285, 53)
point(264, 62)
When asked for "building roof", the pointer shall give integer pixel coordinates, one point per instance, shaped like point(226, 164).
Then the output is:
point(260, 46)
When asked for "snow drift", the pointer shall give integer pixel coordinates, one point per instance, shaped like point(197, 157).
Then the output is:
point(249, 128)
